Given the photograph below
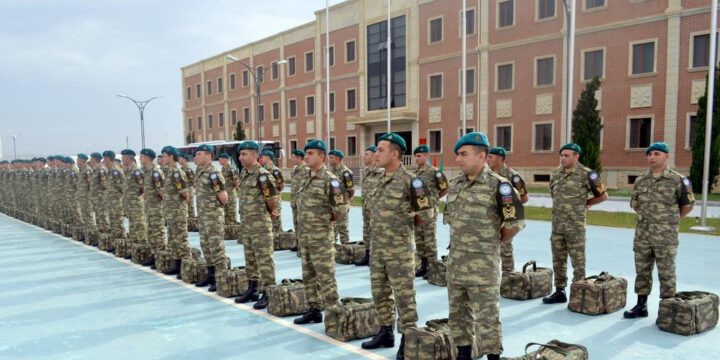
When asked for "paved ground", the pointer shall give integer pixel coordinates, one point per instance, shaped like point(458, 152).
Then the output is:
point(63, 300)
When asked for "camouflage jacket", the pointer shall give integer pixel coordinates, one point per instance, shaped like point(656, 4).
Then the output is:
point(257, 186)
point(427, 173)
point(320, 194)
point(175, 185)
point(344, 174)
point(371, 176)
point(190, 174)
point(87, 179)
point(277, 175)
point(515, 178)
point(100, 182)
point(153, 185)
point(656, 199)
point(209, 183)
point(116, 180)
point(569, 191)
point(134, 184)
point(231, 176)
point(298, 173)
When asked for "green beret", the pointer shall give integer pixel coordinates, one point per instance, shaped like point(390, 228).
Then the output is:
point(83, 156)
point(128, 152)
point(372, 149)
point(267, 153)
point(69, 160)
point(474, 138)
point(51, 157)
point(571, 146)
point(298, 152)
point(395, 139)
point(658, 146)
point(109, 153)
point(421, 149)
point(186, 156)
point(205, 147)
point(498, 151)
point(316, 144)
point(170, 150)
point(224, 155)
point(337, 153)
point(96, 155)
point(42, 160)
point(248, 145)
point(149, 153)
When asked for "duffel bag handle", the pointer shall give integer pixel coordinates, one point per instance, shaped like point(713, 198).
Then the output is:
point(349, 300)
point(689, 295)
point(531, 262)
point(291, 281)
point(556, 348)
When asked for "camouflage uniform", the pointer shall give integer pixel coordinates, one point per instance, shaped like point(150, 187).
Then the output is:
point(175, 211)
point(210, 216)
point(114, 202)
point(392, 267)
point(101, 210)
point(477, 209)
point(87, 203)
point(76, 213)
point(298, 174)
point(569, 190)
point(656, 200)
point(343, 173)
point(370, 178)
point(135, 204)
point(153, 183)
point(190, 175)
point(230, 174)
point(506, 247)
point(279, 185)
point(425, 242)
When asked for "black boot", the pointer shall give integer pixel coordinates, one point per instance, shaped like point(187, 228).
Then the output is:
point(493, 356)
point(312, 316)
point(209, 279)
point(640, 310)
point(401, 350)
point(365, 260)
point(176, 269)
point(558, 297)
point(422, 271)
point(150, 261)
point(262, 302)
point(464, 352)
point(384, 338)
point(249, 295)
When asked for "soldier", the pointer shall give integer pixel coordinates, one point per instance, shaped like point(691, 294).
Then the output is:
point(425, 242)
point(346, 176)
point(133, 199)
point(154, 192)
point(661, 197)
point(114, 195)
point(98, 192)
point(370, 176)
point(230, 174)
point(259, 204)
point(185, 160)
point(570, 184)
point(299, 170)
point(267, 158)
point(74, 193)
point(211, 201)
point(482, 208)
point(321, 198)
point(496, 161)
point(175, 208)
point(400, 201)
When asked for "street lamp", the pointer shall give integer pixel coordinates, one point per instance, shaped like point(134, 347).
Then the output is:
point(141, 107)
point(14, 146)
point(570, 17)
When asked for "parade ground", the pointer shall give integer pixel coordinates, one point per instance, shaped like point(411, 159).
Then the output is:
point(62, 299)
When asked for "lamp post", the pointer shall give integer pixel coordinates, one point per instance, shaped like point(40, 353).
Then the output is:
point(570, 17)
point(141, 107)
point(14, 137)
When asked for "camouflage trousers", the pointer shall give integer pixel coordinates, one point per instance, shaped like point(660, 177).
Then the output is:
point(366, 227)
point(318, 270)
point(258, 246)
point(564, 244)
point(231, 210)
point(392, 284)
point(76, 216)
point(341, 227)
point(277, 228)
point(135, 212)
point(295, 216)
point(655, 244)
point(101, 216)
point(155, 226)
point(425, 241)
point(506, 256)
point(177, 229)
point(212, 241)
point(475, 316)
point(116, 215)
point(88, 213)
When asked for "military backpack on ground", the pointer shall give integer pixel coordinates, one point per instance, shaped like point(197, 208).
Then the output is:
point(688, 312)
point(601, 294)
point(437, 270)
point(554, 350)
point(106, 242)
point(286, 240)
point(231, 282)
point(188, 267)
point(352, 318)
point(123, 248)
point(141, 253)
point(193, 224)
point(431, 342)
point(349, 253)
point(232, 232)
point(164, 261)
point(535, 283)
point(287, 298)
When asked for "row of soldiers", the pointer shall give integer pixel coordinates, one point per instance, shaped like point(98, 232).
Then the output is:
point(483, 207)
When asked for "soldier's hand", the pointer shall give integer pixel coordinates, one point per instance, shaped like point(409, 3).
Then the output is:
point(274, 214)
point(418, 220)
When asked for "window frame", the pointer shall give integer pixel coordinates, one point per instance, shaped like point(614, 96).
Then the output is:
point(347, 145)
point(208, 86)
point(429, 138)
point(470, 68)
point(628, 121)
point(512, 135)
point(331, 50)
point(232, 81)
point(691, 49)
point(583, 52)
point(347, 99)
point(221, 119)
point(497, 15)
point(209, 121)
point(188, 93)
point(275, 105)
point(497, 76)
point(688, 116)
point(307, 107)
point(354, 51)
point(245, 81)
point(442, 86)
point(538, 19)
point(233, 117)
point(274, 71)
point(292, 65)
point(309, 67)
point(442, 30)
point(594, 8)
point(536, 72)
point(290, 114)
point(246, 110)
point(460, 14)
point(220, 85)
point(552, 136)
point(198, 90)
point(631, 58)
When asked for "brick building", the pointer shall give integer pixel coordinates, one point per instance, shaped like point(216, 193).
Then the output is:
point(651, 56)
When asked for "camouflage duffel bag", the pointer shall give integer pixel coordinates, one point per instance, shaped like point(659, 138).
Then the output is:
point(231, 282)
point(232, 232)
point(688, 312)
point(554, 350)
point(601, 294)
point(193, 224)
point(106, 243)
point(287, 298)
point(188, 267)
point(437, 270)
point(352, 318)
point(141, 253)
point(431, 342)
point(349, 253)
point(285, 241)
point(164, 261)
point(91, 237)
point(123, 248)
point(526, 284)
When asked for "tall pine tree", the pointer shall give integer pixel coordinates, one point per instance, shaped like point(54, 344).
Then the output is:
point(239, 133)
point(698, 148)
point(586, 126)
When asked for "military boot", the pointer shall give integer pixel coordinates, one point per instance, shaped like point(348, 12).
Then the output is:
point(150, 261)
point(262, 302)
point(206, 281)
point(558, 297)
point(175, 270)
point(422, 270)
point(365, 260)
point(493, 357)
point(640, 310)
point(213, 282)
point(249, 295)
point(384, 338)
point(312, 316)
point(464, 352)
point(401, 350)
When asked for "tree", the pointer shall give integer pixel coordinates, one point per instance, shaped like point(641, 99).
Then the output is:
point(698, 148)
point(239, 133)
point(586, 126)
point(190, 138)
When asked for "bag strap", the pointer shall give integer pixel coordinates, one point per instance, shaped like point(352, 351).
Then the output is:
point(531, 262)
point(555, 348)
point(291, 281)
point(690, 295)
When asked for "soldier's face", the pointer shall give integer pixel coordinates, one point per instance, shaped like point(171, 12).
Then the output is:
point(297, 160)
point(384, 154)
point(495, 161)
point(568, 158)
point(266, 160)
point(314, 158)
point(421, 158)
point(470, 160)
point(334, 160)
point(108, 161)
point(81, 162)
point(202, 158)
point(656, 159)
point(183, 161)
point(248, 158)
point(223, 161)
point(368, 158)
point(127, 160)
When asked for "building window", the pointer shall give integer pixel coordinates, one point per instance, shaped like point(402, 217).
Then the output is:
point(469, 21)
point(436, 86)
point(351, 146)
point(233, 117)
point(590, 4)
point(188, 91)
point(503, 137)
point(190, 124)
point(594, 64)
point(260, 73)
point(546, 9)
point(691, 130)
point(261, 113)
point(221, 120)
point(310, 105)
point(543, 137)
point(275, 111)
point(245, 78)
point(544, 71)
point(506, 13)
point(350, 98)
point(332, 143)
point(209, 88)
point(377, 64)
point(331, 55)
point(246, 115)
point(350, 51)
point(293, 145)
point(643, 58)
point(275, 73)
point(232, 81)
point(700, 50)
point(640, 133)
point(436, 30)
point(220, 85)
point(291, 66)
point(332, 102)
point(504, 77)
point(309, 62)
point(292, 108)
point(469, 81)
point(210, 121)
point(198, 91)
point(467, 131)
point(435, 141)
point(199, 122)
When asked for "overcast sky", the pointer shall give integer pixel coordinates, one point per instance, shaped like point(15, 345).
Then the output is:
point(63, 62)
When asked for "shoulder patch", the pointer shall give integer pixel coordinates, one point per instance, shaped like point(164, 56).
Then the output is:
point(176, 175)
point(505, 189)
point(516, 179)
point(335, 183)
point(686, 181)
point(593, 175)
point(213, 176)
point(417, 183)
point(263, 177)
point(156, 174)
point(116, 173)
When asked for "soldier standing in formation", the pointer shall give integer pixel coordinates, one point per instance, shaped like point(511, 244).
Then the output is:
point(114, 196)
point(345, 175)
point(87, 216)
point(185, 160)
point(661, 197)
point(267, 158)
point(496, 160)
point(299, 170)
point(133, 198)
point(175, 208)
point(99, 186)
point(570, 184)
point(230, 174)
point(370, 176)
point(482, 207)
point(321, 201)
point(154, 192)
